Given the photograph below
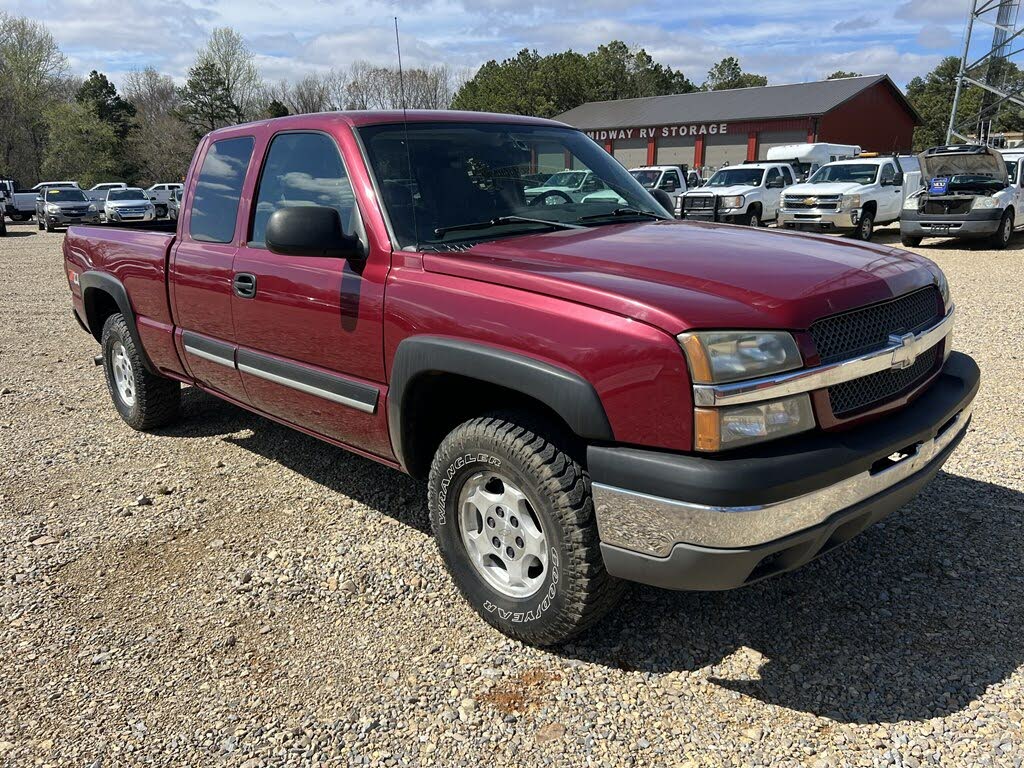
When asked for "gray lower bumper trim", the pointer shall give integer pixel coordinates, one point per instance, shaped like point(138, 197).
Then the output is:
point(654, 525)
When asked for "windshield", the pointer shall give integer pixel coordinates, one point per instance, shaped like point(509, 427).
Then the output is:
point(66, 196)
point(472, 173)
point(647, 178)
point(728, 177)
point(126, 194)
point(855, 173)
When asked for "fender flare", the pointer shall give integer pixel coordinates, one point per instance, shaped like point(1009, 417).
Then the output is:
point(91, 280)
point(568, 394)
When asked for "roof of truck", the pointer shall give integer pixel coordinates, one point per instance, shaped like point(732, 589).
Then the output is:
point(358, 119)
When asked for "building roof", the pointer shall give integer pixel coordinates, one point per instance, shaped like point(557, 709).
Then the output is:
point(758, 103)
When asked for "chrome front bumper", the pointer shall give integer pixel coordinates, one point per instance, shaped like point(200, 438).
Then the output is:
point(654, 525)
point(813, 218)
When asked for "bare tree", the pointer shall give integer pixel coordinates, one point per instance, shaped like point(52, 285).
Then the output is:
point(227, 52)
point(161, 144)
point(32, 78)
point(371, 87)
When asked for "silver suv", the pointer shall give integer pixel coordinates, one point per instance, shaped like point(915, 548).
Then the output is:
point(64, 206)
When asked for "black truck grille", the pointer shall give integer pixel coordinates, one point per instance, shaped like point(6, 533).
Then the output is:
point(878, 387)
point(867, 329)
point(699, 203)
point(958, 206)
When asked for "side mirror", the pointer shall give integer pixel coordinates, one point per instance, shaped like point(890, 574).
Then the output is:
point(898, 180)
point(664, 200)
point(310, 230)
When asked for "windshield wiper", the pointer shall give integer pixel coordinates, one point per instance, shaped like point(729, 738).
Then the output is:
point(621, 212)
point(499, 220)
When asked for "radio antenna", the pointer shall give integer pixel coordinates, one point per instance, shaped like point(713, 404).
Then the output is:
point(405, 129)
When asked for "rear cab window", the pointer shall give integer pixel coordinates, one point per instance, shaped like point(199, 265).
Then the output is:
point(219, 190)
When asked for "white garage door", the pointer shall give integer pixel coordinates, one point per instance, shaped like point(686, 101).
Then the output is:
point(725, 149)
point(631, 152)
point(675, 150)
point(767, 139)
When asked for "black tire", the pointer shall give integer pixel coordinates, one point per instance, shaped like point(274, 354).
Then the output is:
point(910, 241)
point(576, 590)
point(3, 226)
point(49, 225)
point(39, 221)
point(1001, 239)
point(752, 218)
point(865, 227)
point(21, 216)
point(157, 400)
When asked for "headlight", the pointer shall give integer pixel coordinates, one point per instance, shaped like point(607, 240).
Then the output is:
point(984, 202)
point(92, 207)
point(732, 201)
point(53, 209)
point(717, 429)
point(850, 202)
point(716, 357)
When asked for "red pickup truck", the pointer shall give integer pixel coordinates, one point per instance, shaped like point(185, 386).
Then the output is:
point(593, 391)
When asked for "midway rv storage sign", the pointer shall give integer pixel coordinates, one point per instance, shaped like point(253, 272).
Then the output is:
point(665, 131)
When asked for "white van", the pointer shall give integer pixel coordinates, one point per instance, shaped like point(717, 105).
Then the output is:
point(808, 158)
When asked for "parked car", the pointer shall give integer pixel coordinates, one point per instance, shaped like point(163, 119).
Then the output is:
point(849, 197)
point(19, 206)
point(806, 159)
point(160, 195)
point(671, 179)
point(592, 391)
point(971, 191)
point(130, 204)
point(174, 204)
point(741, 194)
point(3, 209)
point(98, 192)
point(64, 206)
point(565, 187)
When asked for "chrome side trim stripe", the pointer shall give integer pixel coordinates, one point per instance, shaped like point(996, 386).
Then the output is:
point(898, 353)
point(343, 391)
point(208, 349)
point(227, 362)
point(654, 525)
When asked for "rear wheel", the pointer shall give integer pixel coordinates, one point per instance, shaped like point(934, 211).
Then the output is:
point(1002, 236)
point(910, 241)
point(143, 399)
point(865, 227)
point(514, 521)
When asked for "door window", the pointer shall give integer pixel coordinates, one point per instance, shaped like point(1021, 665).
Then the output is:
point(303, 169)
point(670, 181)
point(774, 179)
point(787, 175)
point(888, 174)
point(215, 201)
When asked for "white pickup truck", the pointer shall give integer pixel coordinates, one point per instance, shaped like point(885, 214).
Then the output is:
point(805, 159)
point(740, 194)
point(970, 191)
point(98, 192)
point(851, 196)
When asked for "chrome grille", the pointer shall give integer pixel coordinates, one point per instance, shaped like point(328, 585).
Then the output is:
point(878, 387)
point(811, 202)
point(866, 329)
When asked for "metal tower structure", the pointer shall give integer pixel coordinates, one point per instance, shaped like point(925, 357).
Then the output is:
point(987, 72)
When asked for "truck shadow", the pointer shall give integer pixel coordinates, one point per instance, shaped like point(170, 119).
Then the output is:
point(913, 619)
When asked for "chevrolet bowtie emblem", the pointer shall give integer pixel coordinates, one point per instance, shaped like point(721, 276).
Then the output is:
point(905, 355)
point(809, 201)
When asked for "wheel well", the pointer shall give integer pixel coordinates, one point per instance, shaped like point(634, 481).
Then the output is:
point(755, 208)
point(435, 403)
point(99, 305)
point(872, 206)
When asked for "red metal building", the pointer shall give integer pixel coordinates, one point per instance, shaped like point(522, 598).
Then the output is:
point(715, 128)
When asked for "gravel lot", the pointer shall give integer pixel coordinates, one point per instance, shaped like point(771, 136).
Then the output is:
point(233, 592)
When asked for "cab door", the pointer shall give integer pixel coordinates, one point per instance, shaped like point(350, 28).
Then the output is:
point(200, 276)
point(773, 185)
point(310, 329)
point(890, 202)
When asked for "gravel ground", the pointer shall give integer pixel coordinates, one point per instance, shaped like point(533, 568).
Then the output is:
point(232, 592)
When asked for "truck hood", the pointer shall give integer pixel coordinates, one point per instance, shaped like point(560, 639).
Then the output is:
point(988, 163)
point(831, 188)
point(680, 275)
point(735, 189)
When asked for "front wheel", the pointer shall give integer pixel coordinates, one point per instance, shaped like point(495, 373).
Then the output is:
point(865, 227)
point(1001, 238)
point(514, 521)
point(910, 241)
point(143, 399)
point(49, 225)
point(752, 218)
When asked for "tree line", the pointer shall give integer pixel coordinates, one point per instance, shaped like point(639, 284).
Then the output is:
point(54, 124)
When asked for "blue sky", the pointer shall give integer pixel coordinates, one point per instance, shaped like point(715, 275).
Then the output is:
point(787, 40)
